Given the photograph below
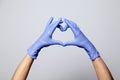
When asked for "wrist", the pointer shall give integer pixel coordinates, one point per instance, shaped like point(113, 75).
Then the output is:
point(34, 50)
point(92, 51)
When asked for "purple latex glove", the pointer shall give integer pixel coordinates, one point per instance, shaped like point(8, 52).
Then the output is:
point(45, 39)
point(81, 40)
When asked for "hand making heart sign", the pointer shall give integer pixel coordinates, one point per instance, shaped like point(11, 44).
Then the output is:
point(80, 40)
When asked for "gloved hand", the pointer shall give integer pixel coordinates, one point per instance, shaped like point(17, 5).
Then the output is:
point(81, 40)
point(45, 39)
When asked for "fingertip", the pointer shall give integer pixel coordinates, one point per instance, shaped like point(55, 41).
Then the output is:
point(65, 19)
point(51, 17)
point(64, 45)
point(66, 27)
point(60, 19)
point(61, 28)
point(50, 20)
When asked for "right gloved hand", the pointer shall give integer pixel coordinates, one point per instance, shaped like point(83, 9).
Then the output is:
point(81, 40)
point(45, 39)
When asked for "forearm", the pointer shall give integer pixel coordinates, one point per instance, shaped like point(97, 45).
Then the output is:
point(101, 69)
point(23, 68)
point(44, 40)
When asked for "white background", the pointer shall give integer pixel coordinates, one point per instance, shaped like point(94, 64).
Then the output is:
point(23, 21)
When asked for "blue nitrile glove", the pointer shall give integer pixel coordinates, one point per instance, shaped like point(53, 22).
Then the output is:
point(81, 40)
point(45, 39)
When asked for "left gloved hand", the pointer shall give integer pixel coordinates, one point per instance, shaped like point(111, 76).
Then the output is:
point(81, 40)
point(45, 39)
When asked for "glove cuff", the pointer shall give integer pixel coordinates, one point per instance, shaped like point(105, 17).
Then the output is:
point(34, 50)
point(92, 52)
point(33, 53)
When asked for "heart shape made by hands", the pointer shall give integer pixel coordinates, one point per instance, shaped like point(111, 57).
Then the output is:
point(63, 34)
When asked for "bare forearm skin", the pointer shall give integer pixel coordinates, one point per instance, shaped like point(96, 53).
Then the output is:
point(23, 68)
point(101, 69)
